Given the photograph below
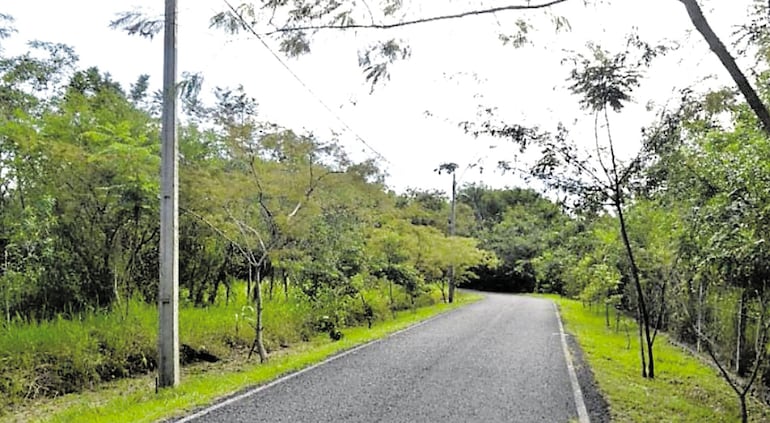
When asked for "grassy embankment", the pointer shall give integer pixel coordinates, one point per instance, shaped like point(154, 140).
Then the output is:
point(81, 355)
point(685, 388)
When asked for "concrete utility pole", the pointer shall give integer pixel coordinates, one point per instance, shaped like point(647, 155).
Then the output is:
point(452, 233)
point(451, 168)
point(168, 292)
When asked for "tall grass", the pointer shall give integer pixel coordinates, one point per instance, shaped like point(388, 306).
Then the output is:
point(64, 355)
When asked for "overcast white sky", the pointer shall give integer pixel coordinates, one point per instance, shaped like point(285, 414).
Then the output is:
point(455, 66)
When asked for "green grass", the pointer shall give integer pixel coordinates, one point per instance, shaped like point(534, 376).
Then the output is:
point(685, 389)
point(50, 358)
point(134, 400)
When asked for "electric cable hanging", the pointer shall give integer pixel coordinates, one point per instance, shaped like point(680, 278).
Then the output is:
point(247, 26)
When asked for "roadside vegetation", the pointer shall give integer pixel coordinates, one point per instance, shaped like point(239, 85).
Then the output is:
point(61, 356)
point(134, 399)
point(284, 237)
point(689, 390)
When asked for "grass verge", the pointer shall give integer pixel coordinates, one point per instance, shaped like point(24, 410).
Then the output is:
point(134, 400)
point(685, 388)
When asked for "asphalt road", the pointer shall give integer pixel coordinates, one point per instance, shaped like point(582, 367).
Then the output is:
point(498, 360)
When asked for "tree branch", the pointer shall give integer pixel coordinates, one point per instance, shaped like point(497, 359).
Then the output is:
point(760, 346)
point(460, 15)
point(717, 46)
point(585, 169)
point(221, 233)
point(612, 154)
point(710, 351)
point(598, 148)
point(662, 311)
point(369, 9)
point(311, 188)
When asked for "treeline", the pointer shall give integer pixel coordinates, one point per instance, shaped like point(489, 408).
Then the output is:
point(696, 216)
point(79, 193)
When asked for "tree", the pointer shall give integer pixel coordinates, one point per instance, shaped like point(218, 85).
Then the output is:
point(603, 81)
point(86, 157)
point(726, 175)
point(273, 176)
point(717, 46)
point(518, 225)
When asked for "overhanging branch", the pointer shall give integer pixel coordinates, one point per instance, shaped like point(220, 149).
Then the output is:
point(454, 16)
point(718, 47)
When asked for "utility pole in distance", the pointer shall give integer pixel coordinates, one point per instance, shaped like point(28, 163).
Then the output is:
point(452, 226)
point(451, 168)
point(168, 292)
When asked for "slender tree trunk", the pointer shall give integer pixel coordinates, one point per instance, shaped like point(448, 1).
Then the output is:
point(740, 335)
point(257, 283)
point(259, 344)
point(272, 281)
point(129, 294)
point(214, 293)
point(641, 341)
point(115, 289)
point(744, 411)
point(716, 46)
point(285, 284)
point(645, 317)
point(20, 185)
point(700, 316)
point(368, 312)
point(7, 304)
point(248, 284)
point(7, 289)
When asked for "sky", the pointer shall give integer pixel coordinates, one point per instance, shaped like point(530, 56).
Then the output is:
point(411, 121)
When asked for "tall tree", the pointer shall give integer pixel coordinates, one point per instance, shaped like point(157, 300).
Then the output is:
point(604, 82)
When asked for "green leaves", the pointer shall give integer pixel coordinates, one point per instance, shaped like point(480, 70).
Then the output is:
point(6, 28)
point(603, 80)
point(137, 22)
point(377, 59)
point(520, 38)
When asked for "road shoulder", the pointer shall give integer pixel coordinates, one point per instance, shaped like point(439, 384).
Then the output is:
point(598, 409)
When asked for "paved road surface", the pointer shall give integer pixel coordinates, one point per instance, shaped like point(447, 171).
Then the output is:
point(499, 360)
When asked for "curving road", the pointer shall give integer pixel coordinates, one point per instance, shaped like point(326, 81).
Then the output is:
point(498, 360)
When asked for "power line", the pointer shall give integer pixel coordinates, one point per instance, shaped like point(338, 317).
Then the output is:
point(277, 57)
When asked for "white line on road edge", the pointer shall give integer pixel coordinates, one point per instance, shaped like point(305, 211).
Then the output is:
point(261, 388)
point(579, 402)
